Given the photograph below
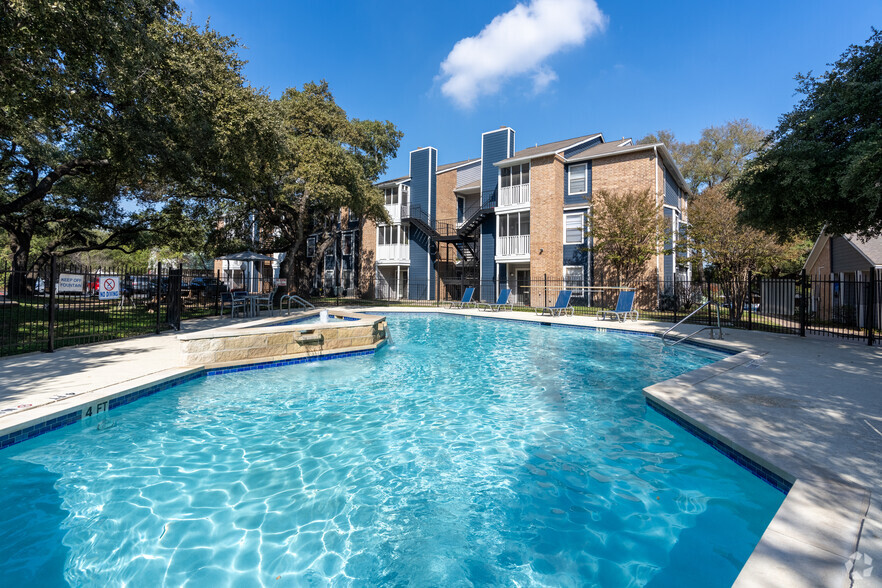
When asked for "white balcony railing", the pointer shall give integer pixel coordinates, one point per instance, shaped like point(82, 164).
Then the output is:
point(396, 252)
point(517, 246)
point(514, 195)
point(396, 211)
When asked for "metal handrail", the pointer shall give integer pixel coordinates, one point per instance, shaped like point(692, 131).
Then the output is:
point(718, 328)
point(287, 298)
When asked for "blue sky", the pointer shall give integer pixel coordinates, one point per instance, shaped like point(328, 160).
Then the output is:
point(550, 69)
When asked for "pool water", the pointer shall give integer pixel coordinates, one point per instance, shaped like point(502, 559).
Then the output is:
point(468, 452)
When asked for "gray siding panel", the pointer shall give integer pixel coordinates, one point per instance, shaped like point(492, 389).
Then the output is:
point(488, 255)
point(669, 258)
point(845, 258)
point(577, 198)
point(468, 174)
point(423, 192)
point(580, 148)
point(495, 147)
point(672, 190)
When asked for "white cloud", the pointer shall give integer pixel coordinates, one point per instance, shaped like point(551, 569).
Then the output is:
point(517, 43)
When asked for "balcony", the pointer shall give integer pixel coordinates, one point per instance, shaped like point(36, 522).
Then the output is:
point(517, 246)
point(396, 212)
point(397, 253)
point(514, 195)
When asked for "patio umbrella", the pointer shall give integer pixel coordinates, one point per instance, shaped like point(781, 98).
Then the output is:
point(247, 256)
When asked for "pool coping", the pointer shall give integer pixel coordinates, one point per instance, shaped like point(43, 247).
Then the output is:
point(818, 526)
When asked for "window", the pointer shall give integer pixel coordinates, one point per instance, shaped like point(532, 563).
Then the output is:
point(329, 262)
point(405, 193)
point(391, 195)
point(515, 175)
point(574, 228)
point(310, 247)
point(514, 224)
point(347, 245)
point(573, 277)
point(579, 179)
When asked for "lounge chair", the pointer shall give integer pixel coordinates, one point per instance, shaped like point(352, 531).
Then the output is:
point(466, 299)
point(624, 307)
point(501, 302)
point(561, 307)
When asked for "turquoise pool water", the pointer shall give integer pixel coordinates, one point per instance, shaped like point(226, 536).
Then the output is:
point(468, 452)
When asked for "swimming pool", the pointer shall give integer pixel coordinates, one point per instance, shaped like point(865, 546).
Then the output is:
point(469, 451)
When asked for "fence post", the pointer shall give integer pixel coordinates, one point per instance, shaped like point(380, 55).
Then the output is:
point(749, 300)
point(545, 296)
point(871, 308)
point(675, 298)
point(217, 295)
point(802, 303)
point(158, 291)
point(709, 317)
point(53, 270)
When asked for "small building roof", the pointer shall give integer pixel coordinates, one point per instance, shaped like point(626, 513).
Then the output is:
point(871, 248)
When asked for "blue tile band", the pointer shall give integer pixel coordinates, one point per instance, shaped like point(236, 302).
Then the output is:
point(739, 458)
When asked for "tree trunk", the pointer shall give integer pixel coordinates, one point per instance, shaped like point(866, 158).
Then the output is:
point(20, 243)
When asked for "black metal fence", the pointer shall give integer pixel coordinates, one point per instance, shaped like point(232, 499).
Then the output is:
point(58, 305)
point(846, 308)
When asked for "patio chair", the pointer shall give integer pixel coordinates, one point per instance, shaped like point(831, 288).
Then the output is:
point(466, 299)
point(234, 300)
point(624, 307)
point(266, 300)
point(501, 302)
point(561, 307)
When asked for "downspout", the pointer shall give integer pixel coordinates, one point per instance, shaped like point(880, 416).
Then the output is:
point(655, 175)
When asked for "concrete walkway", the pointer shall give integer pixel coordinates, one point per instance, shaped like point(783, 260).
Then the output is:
point(809, 409)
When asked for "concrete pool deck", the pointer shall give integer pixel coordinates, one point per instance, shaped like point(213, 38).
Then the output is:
point(809, 409)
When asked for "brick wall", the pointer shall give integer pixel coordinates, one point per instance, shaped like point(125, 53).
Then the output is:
point(546, 224)
point(630, 171)
point(445, 211)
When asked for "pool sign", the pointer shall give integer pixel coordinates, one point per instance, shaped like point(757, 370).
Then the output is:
point(70, 283)
point(282, 282)
point(108, 287)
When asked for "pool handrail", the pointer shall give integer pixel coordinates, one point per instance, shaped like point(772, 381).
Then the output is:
point(300, 302)
point(718, 328)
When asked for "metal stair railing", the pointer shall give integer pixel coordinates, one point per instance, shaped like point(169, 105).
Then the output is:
point(288, 298)
point(717, 328)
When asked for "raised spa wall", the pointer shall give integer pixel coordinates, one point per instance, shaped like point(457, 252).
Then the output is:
point(267, 340)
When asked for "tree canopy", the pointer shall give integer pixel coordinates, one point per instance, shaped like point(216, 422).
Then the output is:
point(120, 119)
point(824, 163)
point(718, 157)
point(626, 230)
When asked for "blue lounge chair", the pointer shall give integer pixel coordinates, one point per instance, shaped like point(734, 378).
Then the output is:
point(624, 307)
point(561, 307)
point(466, 299)
point(501, 302)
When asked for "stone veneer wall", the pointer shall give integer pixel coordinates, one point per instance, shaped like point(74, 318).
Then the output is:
point(546, 226)
point(271, 344)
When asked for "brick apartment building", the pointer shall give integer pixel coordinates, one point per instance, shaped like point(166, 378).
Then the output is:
point(510, 219)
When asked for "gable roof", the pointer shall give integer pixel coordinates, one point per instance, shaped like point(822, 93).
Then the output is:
point(546, 149)
point(871, 249)
point(450, 166)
